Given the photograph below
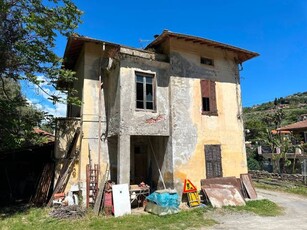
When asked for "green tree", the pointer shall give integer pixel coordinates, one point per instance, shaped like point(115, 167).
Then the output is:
point(254, 129)
point(275, 119)
point(28, 30)
point(17, 118)
point(281, 144)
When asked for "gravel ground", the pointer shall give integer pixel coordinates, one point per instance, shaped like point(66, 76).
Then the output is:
point(295, 214)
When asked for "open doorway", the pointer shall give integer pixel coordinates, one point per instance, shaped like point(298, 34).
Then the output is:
point(141, 170)
point(147, 159)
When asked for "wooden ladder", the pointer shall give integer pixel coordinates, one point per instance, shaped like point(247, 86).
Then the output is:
point(92, 174)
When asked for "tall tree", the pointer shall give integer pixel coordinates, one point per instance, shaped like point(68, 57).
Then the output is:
point(28, 30)
point(17, 118)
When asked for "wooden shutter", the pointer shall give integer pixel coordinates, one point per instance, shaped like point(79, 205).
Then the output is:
point(213, 108)
point(208, 90)
point(205, 88)
point(213, 161)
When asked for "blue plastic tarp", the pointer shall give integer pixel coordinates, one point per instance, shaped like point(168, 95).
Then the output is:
point(165, 199)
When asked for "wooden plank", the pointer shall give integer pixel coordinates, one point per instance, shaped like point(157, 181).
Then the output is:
point(44, 185)
point(99, 199)
point(248, 185)
point(67, 168)
point(63, 181)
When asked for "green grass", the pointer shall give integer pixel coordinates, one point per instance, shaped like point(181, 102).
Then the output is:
point(295, 189)
point(38, 219)
point(35, 218)
point(260, 207)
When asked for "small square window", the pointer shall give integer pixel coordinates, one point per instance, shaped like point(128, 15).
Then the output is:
point(206, 61)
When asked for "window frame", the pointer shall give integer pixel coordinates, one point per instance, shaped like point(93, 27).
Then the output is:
point(145, 75)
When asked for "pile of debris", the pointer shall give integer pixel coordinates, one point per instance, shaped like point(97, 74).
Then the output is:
point(68, 212)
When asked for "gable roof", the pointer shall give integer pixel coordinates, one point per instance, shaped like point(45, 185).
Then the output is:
point(75, 43)
point(301, 125)
point(243, 54)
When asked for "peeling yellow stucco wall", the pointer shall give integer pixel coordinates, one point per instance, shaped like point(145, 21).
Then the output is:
point(226, 129)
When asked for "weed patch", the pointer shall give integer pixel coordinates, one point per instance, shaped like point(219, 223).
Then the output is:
point(260, 207)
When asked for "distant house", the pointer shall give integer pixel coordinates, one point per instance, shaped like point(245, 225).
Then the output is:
point(161, 114)
point(299, 128)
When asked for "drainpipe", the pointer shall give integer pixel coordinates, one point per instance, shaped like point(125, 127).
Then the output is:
point(99, 122)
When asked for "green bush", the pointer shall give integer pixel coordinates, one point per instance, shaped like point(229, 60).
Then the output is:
point(253, 164)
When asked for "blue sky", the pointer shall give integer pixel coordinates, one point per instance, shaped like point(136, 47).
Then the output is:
point(275, 29)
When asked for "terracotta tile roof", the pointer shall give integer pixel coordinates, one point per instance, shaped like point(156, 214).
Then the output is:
point(50, 136)
point(301, 125)
point(280, 131)
point(243, 54)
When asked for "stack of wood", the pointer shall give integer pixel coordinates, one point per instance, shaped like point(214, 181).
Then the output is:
point(68, 212)
point(41, 196)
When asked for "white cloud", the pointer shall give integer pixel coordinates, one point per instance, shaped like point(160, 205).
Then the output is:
point(38, 98)
point(59, 110)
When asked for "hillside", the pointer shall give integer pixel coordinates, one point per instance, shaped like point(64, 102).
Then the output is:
point(292, 106)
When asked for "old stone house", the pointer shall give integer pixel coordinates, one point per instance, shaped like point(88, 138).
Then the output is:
point(172, 110)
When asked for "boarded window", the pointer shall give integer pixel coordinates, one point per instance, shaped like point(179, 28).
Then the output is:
point(208, 97)
point(213, 160)
point(145, 91)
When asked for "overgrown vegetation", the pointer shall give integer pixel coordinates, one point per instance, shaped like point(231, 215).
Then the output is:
point(28, 32)
point(260, 207)
point(260, 120)
point(17, 118)
point(255, 117)
point(35, 218)
point(38, 219)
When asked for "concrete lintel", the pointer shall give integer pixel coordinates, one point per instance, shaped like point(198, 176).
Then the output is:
point(145, 55)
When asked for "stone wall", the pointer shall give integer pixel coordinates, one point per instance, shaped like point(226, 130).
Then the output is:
point(256, 174)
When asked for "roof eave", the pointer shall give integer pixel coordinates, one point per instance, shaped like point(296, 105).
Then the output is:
point(243, 54)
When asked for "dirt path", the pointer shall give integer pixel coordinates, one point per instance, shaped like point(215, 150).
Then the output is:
point(295, 216)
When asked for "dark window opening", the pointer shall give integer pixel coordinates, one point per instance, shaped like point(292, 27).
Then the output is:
point(209, 106)
point(206, 61)
point(144, 91)
point(206, 104)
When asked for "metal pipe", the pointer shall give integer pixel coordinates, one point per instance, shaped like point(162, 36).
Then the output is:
point(99, 120)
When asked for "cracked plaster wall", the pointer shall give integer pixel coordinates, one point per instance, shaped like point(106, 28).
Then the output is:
point(190, 129)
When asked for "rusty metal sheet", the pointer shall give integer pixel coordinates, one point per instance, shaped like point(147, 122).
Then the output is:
point(246, 181)
point(224, 181)
point(223, 195)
